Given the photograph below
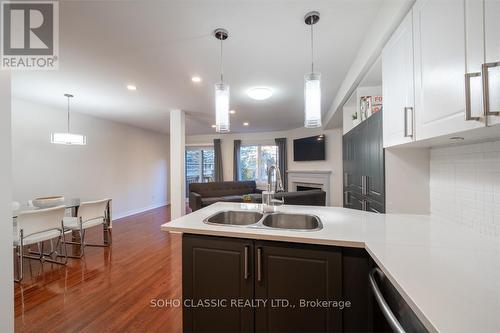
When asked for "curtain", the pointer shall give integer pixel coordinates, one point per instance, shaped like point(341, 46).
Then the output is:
point(218, 173)
point(282, 161)
point(236, 160)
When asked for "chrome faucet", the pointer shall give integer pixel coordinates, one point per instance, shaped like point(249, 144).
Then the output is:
point(269, 203)
point(279, 183)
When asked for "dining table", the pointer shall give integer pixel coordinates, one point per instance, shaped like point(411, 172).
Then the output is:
point(72, 205)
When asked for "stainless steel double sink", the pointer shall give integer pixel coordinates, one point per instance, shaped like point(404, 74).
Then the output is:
point(286, 221)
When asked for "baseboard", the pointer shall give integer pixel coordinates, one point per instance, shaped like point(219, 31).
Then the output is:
point(138, 211)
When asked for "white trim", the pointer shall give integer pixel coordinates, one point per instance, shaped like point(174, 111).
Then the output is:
point(201, 145)
point(118, 216)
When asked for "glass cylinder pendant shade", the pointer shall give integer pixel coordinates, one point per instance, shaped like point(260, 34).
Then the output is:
point(221, 108)
point(312, 97)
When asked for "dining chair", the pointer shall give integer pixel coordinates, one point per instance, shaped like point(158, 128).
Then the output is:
point(90, 214)
point(36, 227)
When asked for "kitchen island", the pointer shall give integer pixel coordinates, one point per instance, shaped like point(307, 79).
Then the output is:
point(449, 275)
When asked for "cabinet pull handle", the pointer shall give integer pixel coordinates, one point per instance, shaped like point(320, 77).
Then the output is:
point(346, 198)
point(384, 307)
point(486, 90)
point(468, 106)
point(364, 185)
point(247, 274)
point(259, 264)
point(408, 134)
point(346, 179)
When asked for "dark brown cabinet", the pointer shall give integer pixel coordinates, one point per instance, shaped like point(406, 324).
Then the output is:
point(363, 155)
point(297, 274)
point(217, 269)
point(289, 277)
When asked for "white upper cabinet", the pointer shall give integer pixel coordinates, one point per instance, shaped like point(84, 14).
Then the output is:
point(440, 67)
point(491, 69)
point(398, 85)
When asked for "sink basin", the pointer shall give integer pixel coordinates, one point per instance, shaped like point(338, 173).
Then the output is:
point(292, 221)
point(234, 218)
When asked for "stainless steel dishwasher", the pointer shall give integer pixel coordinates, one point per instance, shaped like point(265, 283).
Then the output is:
point(398, 315)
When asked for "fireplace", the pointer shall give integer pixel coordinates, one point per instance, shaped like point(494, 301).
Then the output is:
point(308, 188)
point(310, 180)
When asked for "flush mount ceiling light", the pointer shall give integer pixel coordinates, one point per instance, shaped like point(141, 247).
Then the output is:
point(68, 138)
point(232, 112)
point(131, 87)
point(312, 83)
point(221, 91)
point(196, 79)
point(246, 124)
point(260, 93)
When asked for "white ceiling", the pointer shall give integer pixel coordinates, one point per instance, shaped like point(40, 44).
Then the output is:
point(159, 45)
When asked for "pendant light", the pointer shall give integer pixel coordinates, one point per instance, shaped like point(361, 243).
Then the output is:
point(221, 91)
point(68, 138)
point(312, 83)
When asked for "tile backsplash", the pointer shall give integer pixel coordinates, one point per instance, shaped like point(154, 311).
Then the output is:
point(465, 186)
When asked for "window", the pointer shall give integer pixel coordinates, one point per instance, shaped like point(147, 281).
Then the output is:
point(199, 165)
point(255, 160)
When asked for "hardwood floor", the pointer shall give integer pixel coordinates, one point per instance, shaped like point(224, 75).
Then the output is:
point(110, 289)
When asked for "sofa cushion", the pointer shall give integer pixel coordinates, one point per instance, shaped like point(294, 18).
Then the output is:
point(233, 198)
point(221, 189)
point(208, 201)
point(307, 198)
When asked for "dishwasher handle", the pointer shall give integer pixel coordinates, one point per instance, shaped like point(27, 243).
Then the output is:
point(384, 307)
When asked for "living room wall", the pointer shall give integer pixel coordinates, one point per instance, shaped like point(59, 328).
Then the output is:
point(332, 163)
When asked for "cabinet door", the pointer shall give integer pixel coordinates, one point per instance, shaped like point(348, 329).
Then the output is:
point(217, 268)
point(398, 85)
point(439, 44)
point(492, 56)
point(358, 151)
point(474, 30)
point(295, 272)
point(374, 158)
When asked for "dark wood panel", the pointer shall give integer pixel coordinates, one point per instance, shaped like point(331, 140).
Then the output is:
point(214, 269)
point(293, 273)
point(355, 288)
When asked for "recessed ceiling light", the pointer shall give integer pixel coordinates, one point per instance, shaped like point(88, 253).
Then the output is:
point(246, 124)
point(232, 111)
point(196, 79)
point(260, 93)
point(213, 126)
point(131, 87)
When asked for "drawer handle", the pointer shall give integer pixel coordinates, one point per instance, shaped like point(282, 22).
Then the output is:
point(486, 90)
point(247, 274)
point(468, 107)
point(384, 307)
point(408, 134)
point(259, 264)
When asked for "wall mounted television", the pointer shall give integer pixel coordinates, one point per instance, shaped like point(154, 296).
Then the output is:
point(309, 149)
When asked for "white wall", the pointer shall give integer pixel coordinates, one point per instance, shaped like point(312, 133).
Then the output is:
point(6, 273)
point(128, 164)
point(407, 180)
point(332, 163)
point(465, 186)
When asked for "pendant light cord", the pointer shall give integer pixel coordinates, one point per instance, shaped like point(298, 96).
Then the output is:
point(221, 68)
point(312, 48)
point(68, 115)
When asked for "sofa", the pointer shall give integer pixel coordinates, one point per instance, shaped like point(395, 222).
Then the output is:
point(204, 194)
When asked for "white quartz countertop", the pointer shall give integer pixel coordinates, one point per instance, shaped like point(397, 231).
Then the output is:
point(449, 275)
